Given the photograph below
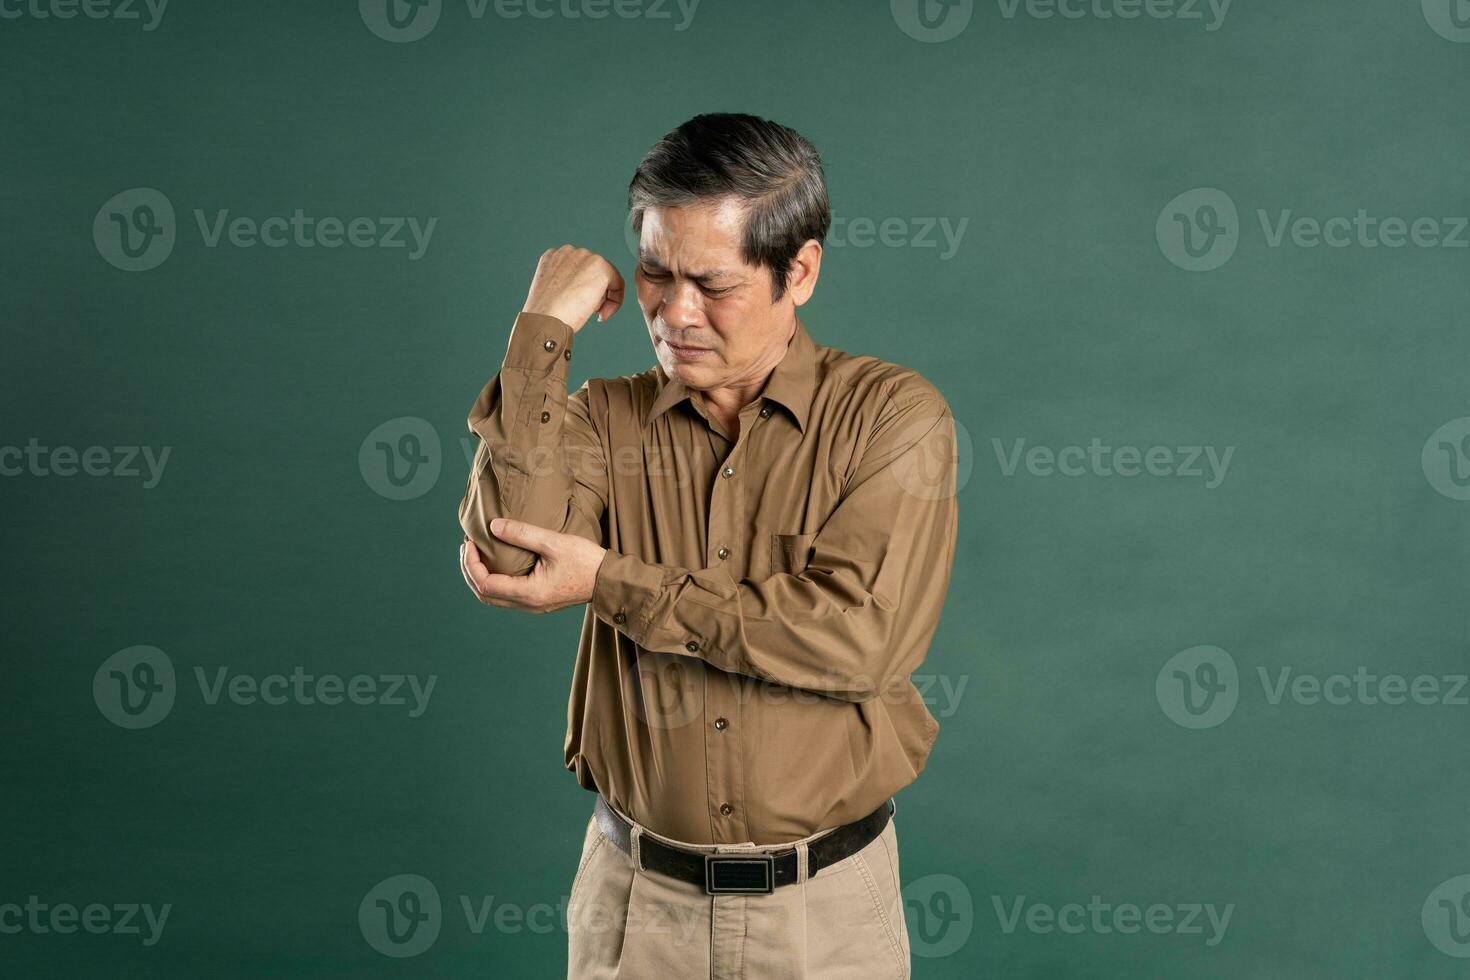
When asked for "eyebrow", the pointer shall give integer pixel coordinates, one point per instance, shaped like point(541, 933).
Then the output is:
point(699, 277)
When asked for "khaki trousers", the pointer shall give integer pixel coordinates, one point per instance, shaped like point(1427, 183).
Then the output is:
point(845, 923)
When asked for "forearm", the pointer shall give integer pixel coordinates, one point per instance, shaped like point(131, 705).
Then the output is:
point(537, 460)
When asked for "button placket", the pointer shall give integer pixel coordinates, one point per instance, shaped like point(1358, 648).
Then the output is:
point(724, 749)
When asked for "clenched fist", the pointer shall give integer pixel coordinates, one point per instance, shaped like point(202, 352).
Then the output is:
point(573, 283)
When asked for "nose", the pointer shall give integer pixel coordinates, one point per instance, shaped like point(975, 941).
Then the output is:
point(680, 306)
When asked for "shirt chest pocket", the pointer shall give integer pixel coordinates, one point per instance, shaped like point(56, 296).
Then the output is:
point(780, 554)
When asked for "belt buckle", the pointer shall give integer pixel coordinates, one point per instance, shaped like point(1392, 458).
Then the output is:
point(739, 874)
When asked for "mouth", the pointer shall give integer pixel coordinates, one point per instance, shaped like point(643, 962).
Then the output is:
point(684, 353)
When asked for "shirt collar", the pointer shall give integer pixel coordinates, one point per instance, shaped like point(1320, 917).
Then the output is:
point(791, 383)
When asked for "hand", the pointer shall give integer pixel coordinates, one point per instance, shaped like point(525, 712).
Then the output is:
point(571, 284)
point(563, 576)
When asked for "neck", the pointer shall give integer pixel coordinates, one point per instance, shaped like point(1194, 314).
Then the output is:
point(726, 401)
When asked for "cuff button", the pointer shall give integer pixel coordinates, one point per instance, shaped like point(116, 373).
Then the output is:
point(550, 345)
point(620, 617)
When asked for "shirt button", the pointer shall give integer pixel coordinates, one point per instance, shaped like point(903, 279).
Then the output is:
point(727, 472)
point(726, 809)
point(620, 617)
point(765, 412)
point(723, 553)
point(550, 345)
point(546, 416)
point(692, 647)
point(721, 724)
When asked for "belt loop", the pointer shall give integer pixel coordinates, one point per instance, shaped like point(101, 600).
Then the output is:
point(634, 836)
point(801, 865)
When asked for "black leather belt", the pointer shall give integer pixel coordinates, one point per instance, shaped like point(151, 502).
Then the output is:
point(742, 873)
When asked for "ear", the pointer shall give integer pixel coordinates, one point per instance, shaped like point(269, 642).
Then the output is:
point(801, 278)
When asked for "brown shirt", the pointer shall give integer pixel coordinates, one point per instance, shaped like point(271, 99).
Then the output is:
point(743, 670)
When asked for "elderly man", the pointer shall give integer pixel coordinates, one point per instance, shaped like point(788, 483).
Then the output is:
point(762, 528)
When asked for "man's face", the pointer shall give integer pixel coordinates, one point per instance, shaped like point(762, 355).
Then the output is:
point(709, 314)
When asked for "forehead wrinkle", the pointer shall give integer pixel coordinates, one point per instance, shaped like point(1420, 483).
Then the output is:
point(648, 258)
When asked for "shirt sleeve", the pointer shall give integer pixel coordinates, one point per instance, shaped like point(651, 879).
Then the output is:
point(540, 458)
point(862, 612)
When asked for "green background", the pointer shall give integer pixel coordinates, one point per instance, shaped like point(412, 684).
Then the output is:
point(1057, 775)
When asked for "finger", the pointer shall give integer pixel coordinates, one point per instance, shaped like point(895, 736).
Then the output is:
point(529, 536)
point(614, 298)
point(509, 590)
point(472, 568)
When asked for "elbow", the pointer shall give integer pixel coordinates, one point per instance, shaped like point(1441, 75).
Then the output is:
point(502, 558)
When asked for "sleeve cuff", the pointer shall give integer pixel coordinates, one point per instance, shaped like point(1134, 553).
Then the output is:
point(623, 593)
point(539, 343)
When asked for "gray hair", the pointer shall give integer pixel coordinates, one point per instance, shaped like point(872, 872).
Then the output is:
point(774, 171)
